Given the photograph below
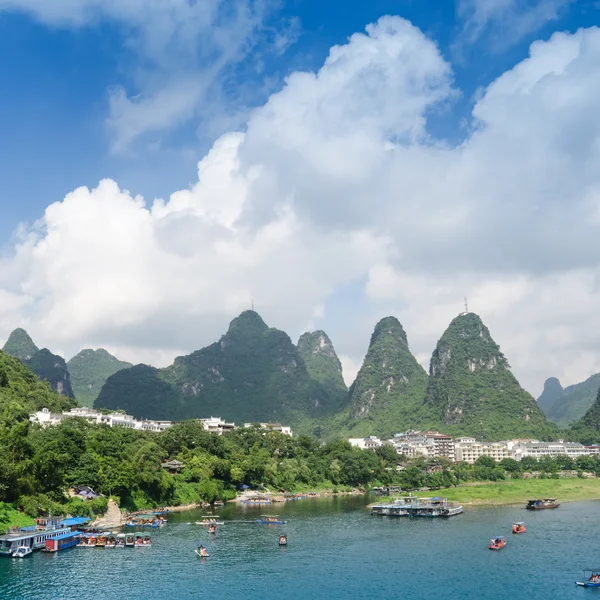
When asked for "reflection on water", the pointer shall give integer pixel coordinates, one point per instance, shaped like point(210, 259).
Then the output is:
point(336, 549)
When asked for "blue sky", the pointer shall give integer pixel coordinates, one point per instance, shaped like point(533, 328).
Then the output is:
point(55, 83)
point(424, 160)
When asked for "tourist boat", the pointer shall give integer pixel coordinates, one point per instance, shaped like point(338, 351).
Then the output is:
point(542, 504)
point(142, 540)
point(283, 540)
point(101, 541)
point(434, 507)
point(212, 528)
point(121, 540)
point(33, 537)
point(91, 540)
point(129, 541)
point(146, 520)
point(497, 543)
point(270, 520)
point(62, 542)
point(202, 552)
point(209, 520)
point(257, 500)
point(111, 541)
point(218, 503)
point(519, 527)
point(398, 508)
point(22, 552)
point(591, 578)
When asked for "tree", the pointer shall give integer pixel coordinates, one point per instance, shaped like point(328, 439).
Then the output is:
point(485, 461)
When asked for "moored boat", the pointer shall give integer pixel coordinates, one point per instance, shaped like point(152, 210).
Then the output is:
point(120, 540)
point(33, 537)
point(519, 527)
point(101, 541)
point(62, 542)
point(111, 541)
point(541, 504)
point(142, 540)
point(497, 543)
point(283, 540)
point(22, 552)
point(129, 540)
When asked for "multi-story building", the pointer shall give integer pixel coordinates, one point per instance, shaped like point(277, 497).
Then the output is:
point(114, 419)
point(442, 445)
point(469, 450)
point(217, 425)
point(552, 449)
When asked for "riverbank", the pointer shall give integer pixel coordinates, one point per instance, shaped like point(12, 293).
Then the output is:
point(518, 491)
point(276, 497)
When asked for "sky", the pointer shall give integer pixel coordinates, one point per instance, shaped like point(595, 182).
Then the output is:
point(166, 164)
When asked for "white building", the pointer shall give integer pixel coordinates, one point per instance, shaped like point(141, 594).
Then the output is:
point(217, 425)
point(114, 419)
point(552, 449)
point(285, 429)
point(369, 443)
point(469, 450)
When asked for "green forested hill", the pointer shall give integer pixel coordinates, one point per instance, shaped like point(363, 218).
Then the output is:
point(20, 345)
point(322, 362)
point(388, 392)
point(568, 405)
point(472, 391)
point(89, 370)
point(43, 363)
point(253, 373)
point(53, 369)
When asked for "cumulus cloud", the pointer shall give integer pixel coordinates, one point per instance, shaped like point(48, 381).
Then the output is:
point(336, 183)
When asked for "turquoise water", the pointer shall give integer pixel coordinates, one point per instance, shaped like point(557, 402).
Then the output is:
point(336, 550)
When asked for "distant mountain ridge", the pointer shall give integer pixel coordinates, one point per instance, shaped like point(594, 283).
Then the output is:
point(568, 405)
point(89, 370)
point(50, 367)
point(253, 373)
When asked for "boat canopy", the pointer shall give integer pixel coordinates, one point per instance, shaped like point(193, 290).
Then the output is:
point(74, 521)
point(270, 516)
point(519, 523)
point(65, 536)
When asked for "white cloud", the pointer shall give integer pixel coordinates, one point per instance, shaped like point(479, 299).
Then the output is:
point(506, 21)
point(181, 48)
point(337, 181)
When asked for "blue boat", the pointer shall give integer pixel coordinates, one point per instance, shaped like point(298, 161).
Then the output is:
point(270, 520)
point(591, 578)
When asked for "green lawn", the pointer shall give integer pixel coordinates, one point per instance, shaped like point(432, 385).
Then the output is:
point(10, 517)
point(518, 491)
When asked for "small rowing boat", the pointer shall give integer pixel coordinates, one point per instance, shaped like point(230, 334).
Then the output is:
point(519, 527)
point(497, 543)
point(591, 578)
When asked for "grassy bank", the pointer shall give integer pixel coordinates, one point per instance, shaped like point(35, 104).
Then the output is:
point(10, 517)
point(518, 491)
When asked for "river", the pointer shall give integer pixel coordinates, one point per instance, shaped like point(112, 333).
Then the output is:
point(336, 550)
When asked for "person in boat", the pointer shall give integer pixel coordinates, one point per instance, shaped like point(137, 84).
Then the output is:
point(283, 539)
point(201, 550)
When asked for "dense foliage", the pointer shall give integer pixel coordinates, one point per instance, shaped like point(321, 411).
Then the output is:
point(569, 405)
point(388, 391)
point(20, 345)
point(322, 363)
point(89, 370)
point(21, 392)
point(587, 429)
point(472, 391)
point(254, 373)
